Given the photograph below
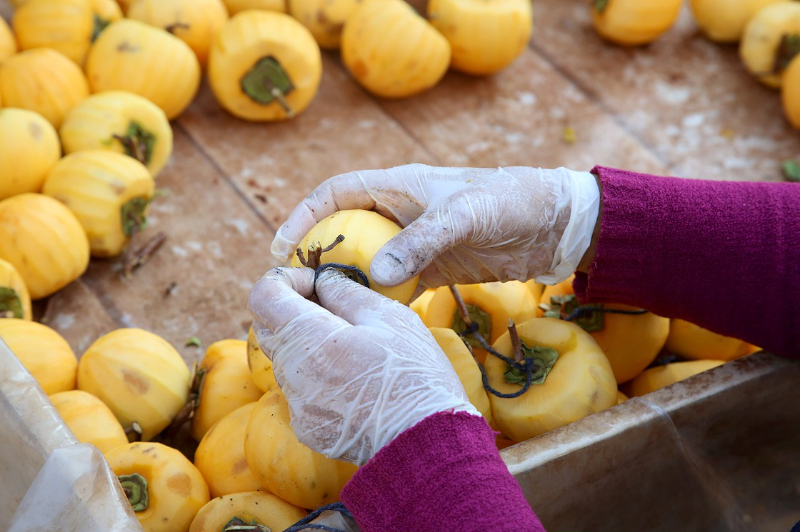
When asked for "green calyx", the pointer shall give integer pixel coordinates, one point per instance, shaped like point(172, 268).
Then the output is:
point(135, 488)
point(477, 316)
point(544, 358)
point(600, 5)
point(788, 49)
point(99, 25)
point(197, 385)
point(791, 171)
point(562, 306)
point(237, 524)
point(138, 142)
point(133, 217)
point(267, 82)
point(10, 303)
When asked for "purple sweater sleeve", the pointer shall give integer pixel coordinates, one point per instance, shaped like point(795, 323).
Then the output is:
point(724, 255)
point(423, 482)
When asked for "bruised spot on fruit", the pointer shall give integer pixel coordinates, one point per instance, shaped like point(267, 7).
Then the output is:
point(125, 46)
point(360, 69)
point(239, 467)
point(118, 187)
point(136, 382)
point(36, 131)
point(180, 483)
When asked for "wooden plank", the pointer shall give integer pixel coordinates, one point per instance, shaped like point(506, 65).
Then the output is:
point(518, 117)
point(197, 283)
point(690, 100)
point(276, 164)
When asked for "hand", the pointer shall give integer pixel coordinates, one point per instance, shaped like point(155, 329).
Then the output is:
point(357, 369)
point(463, 225)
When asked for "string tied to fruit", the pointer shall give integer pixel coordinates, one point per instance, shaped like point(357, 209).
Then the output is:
point(315, 251)
point(591, 318)
point(306, 522)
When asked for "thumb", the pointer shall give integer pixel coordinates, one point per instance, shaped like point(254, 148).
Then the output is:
point(415, 247)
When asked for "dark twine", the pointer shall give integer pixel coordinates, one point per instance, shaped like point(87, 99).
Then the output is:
point(341, 267)
point(586, 309)
point(306, 524)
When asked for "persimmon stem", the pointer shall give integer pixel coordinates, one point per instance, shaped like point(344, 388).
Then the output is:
point(516, 343)
point(461, 306)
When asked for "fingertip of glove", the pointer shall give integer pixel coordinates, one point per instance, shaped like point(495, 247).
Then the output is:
point(387, 269)
point(281, 248)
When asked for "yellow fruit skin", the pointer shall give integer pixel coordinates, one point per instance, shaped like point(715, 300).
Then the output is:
point(43, 81)
point(236, 6)
point(176, 489)
point(10, 279)
point(485, 36)
point(220, 455)
point(44, 241)
point(662, 376)
point(466, 367)
point(420, 305)
point(226, 385)
point(252, 507)
point(94, 124)
point(382, 46)
point(195, 22)
point(691, 341)
point(323, 18)
point(8, 45)
point(502, 301)
point(63, 25)
point(95, 185)
point(106, 11)
point(132, 56)
point(762, 37)
point(791, 93)
point(580, 383)
point(286, 467)
point(621, 398)
point(724, 21)
point(28, 149)
point(43, 352)
point(260, 365)
point(634, 22)
point(138, 375)
point(247, 38)
point(89, 419)
point(365, 232)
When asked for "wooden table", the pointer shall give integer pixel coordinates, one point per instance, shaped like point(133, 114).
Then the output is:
point(682, 106)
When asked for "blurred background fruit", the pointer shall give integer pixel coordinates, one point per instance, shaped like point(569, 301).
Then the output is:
point(29, 147)
point(43, 352)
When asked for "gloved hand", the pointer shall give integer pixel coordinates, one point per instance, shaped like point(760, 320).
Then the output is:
point(463, 225)
point(357, 369)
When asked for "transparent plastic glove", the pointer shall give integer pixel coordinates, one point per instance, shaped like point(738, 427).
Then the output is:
point(463, 225)
point(357, 369)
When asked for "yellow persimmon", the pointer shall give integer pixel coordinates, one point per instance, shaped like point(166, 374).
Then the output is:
point(491, 306)
point(44, 241)
point(108, 192)
point(8, 45)
point(43, 81)
point(662, 376)
point(621, 397)
point(324, 18)
point(89, 419)
point(236, 6)
point(286, 467)
point(195, 22)
point(15, 301)
point(724, 21)
point(536, 288)
point(790, 93)
point(165, 490)
point(691, 341)
point(105, 12)
point(485, 35)
point(383, 46)
point(579, 381)
point(225, 384)
point(122, 122)
point(466, 367)
point(420, 305)
point(220, 455)
point(43, 352)
point(139, 375)
point(132, 56)
point(264, 66)
point(66, 26)
point(564, 288)
point(243, 509)
point(29, 147)
point(365, 232)
point(633, 22)
point(771, 40)
point(260, 365)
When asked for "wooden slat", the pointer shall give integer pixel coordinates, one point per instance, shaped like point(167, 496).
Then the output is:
point(689, 99)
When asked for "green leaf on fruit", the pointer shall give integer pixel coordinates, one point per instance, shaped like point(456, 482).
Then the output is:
point(600, 5)
point(562, 307)
point(10, 303)
point(194, 341)
point(477, 316)
point(133, 217)
point(788, 49)
point(544, 359)
point(791, 171)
